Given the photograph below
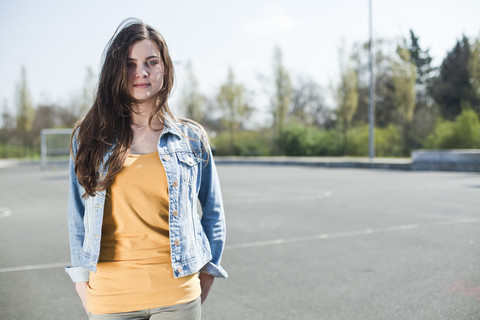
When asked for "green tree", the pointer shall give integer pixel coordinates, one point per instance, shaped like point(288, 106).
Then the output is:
point(192, 101)
point(421, 58)
point(280, 99)
point(404, 77)
point(346, 96)
point(232, 101)
point(453, 87)
point(25, 112)
point(474, 67)
point(8, 125)
point(425, 111)
point(383, 97)
point(308, 104)
point(88, 92)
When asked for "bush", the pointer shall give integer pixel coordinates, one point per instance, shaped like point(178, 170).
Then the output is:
point(246, 143)
point(388, 141)
point(300, 140)
point(463, 133)
point(9, 151)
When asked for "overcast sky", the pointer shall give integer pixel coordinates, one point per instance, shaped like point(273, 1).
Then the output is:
point(56, 40)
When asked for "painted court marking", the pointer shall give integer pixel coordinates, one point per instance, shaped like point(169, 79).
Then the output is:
point(36, 267)
point(346, 234)
point(323, 236)
point(251, 199)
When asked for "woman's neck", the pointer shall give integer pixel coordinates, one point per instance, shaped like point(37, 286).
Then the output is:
point(144, 136)
point(141, 116)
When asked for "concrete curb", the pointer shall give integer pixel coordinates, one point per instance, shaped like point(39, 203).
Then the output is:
point(388, 164)
point(403, 164)
point(9, 163)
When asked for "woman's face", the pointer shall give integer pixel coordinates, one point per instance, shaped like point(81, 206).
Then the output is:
point(145, 70)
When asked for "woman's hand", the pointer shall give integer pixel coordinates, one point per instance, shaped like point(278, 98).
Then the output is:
point(206, 282)
point(81, 288)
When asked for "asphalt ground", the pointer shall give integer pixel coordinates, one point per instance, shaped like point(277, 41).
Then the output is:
point(302, 243)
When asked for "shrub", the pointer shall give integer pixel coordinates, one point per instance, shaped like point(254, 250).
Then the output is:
point(463, 133)
point(302, 140)
point(246, 143)
point(10, 151)
point(388, 141)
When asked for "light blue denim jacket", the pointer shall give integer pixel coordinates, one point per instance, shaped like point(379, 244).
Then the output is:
point(196, 244)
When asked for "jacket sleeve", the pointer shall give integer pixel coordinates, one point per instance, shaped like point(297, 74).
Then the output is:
point(76, 229)
point(213, 216)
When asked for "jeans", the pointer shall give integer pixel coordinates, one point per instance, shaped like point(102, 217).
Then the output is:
point(186, 311)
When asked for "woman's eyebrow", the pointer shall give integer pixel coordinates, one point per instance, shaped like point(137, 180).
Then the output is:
point(147, 58)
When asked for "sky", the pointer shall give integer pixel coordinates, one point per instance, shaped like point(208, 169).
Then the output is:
point(57, 40)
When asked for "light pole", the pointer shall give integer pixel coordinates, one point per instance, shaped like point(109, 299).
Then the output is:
point(371, 106)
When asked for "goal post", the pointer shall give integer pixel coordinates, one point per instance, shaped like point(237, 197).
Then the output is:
point(54, 146)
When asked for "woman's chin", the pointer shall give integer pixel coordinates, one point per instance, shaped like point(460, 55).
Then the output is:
point(143, 97)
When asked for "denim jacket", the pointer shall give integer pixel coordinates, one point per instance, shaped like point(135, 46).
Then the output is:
point(196, 244)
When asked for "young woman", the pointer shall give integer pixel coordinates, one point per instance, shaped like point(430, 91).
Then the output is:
point(139, 249)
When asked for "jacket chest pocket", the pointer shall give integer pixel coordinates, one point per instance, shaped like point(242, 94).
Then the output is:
point(188, 163)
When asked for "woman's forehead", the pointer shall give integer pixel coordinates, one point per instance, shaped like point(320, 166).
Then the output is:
point(144, 48)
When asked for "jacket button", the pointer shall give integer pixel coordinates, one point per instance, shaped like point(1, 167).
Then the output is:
point(166, 157)
point(177, 242)
point(179, 269)
point(174, 184)
point(175, 213)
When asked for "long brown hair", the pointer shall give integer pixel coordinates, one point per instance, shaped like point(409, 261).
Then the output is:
point(107, 123)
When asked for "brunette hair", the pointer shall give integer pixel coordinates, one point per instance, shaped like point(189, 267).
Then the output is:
point(107, 123)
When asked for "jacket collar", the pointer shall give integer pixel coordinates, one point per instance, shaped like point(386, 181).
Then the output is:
point(170, 126)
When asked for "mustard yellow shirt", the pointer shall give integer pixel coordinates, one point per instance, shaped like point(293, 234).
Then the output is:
point(134, 270)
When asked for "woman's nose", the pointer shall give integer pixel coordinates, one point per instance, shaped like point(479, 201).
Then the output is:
point(141, 72)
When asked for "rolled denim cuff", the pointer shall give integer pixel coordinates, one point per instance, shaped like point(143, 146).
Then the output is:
point(78, 274)
point(214, 270)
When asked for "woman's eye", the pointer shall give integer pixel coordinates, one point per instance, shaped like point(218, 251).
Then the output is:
point(153, 62)
point(130, 64)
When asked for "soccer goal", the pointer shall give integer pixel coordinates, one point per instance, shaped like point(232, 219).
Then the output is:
point(55, 146)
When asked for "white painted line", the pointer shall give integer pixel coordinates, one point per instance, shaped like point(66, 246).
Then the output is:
point(36, 267)
point(269, 199)
point(4, 212)
point(346, 234)
point(274, 242)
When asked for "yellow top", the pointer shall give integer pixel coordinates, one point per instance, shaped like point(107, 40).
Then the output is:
point(134, 271)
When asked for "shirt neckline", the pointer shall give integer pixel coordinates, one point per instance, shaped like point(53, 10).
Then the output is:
point(137, 155)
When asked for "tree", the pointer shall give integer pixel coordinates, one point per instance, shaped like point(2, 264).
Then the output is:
point(25, 110)
point(308, 103)
point(383, 98)
point(453, 88)
point(346, 96)
point(425, 111)
point(8, 125)
point(474, 67)
point(192, 100)
point(421, 58)
point(404, 77)
point(44, 118)
point(280, 99)
point(231, 100)
point(88, 92)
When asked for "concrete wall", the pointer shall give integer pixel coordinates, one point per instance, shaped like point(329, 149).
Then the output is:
point(446, 160)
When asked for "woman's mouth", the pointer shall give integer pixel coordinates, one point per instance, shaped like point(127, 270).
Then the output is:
point(141, 85)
